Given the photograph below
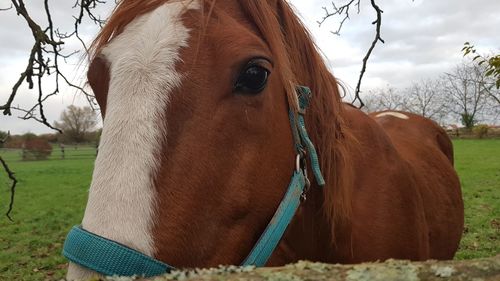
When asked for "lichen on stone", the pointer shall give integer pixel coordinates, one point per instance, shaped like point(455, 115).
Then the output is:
point(391, 270)
point(280, 276)
point(120, 278)
point(443, 271)
point(307, 265)
point(198, 273)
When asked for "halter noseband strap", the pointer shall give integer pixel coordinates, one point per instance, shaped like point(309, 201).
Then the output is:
point(111, 258)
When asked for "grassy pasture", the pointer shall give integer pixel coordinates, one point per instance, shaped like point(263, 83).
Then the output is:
point(478, 165)
point(51, 197)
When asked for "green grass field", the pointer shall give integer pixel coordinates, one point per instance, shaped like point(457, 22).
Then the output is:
point(478, 165)
point(51, 197)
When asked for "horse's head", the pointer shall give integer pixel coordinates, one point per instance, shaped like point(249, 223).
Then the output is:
point(197, 150)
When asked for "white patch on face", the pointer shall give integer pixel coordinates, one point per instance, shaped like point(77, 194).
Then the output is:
point(393, 114)
point(142, 62)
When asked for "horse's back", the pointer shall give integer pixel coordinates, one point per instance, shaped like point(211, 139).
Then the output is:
point(406, 199)
point(405, 127)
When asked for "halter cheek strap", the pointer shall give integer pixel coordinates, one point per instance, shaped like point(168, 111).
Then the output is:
point(111, 258)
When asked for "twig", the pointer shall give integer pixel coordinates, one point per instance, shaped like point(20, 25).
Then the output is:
point(12, 187)
point(6, 9)
point(12, 177)
point(344, 11)
point(86, 7)
point(43, 61)
point(37, 65)
point(45, 56)
point(378, 25)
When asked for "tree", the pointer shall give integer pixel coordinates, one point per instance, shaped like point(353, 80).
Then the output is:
point(466, 93)
point(426, 98)
point(77, 123)
point(3, 138)
point(385, 99)
point(491, 69)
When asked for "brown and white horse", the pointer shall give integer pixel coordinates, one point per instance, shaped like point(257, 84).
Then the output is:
point(197, 151)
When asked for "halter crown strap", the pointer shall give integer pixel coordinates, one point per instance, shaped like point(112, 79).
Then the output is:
point(303, 143)
point(111, 258)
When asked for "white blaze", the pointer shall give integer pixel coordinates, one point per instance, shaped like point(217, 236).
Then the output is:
point(393, 114)
point(142, 62)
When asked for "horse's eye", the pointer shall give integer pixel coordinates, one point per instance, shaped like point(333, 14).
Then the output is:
point(252, 80)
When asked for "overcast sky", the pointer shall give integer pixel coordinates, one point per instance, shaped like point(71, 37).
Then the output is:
point(423, 39)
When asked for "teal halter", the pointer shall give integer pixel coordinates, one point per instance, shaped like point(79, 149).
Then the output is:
point(111, 258)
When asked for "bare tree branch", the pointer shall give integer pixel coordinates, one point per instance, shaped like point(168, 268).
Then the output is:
point(378, 25)
point(6, 9)
point(491, 94)
point(38, 65)
point(86, 8)
point(339, 11)
point(44, 61)
point(344, 12)
point(12, 177)
point(45, 56)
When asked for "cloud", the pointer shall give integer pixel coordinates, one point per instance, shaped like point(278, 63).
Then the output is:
point(423, 40)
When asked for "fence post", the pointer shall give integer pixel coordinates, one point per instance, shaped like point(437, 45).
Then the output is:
point(63, 156)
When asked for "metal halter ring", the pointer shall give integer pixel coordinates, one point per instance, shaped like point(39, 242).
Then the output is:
point(301, 166)
point(297, 163)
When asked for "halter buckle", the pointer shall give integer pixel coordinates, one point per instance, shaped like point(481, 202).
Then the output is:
point(301, 167)
point(297, 163)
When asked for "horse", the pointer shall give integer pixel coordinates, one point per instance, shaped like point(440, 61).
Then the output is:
point(197, 149)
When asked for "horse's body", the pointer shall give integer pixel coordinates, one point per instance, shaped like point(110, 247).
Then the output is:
point(402, 165)
point(190, 170)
